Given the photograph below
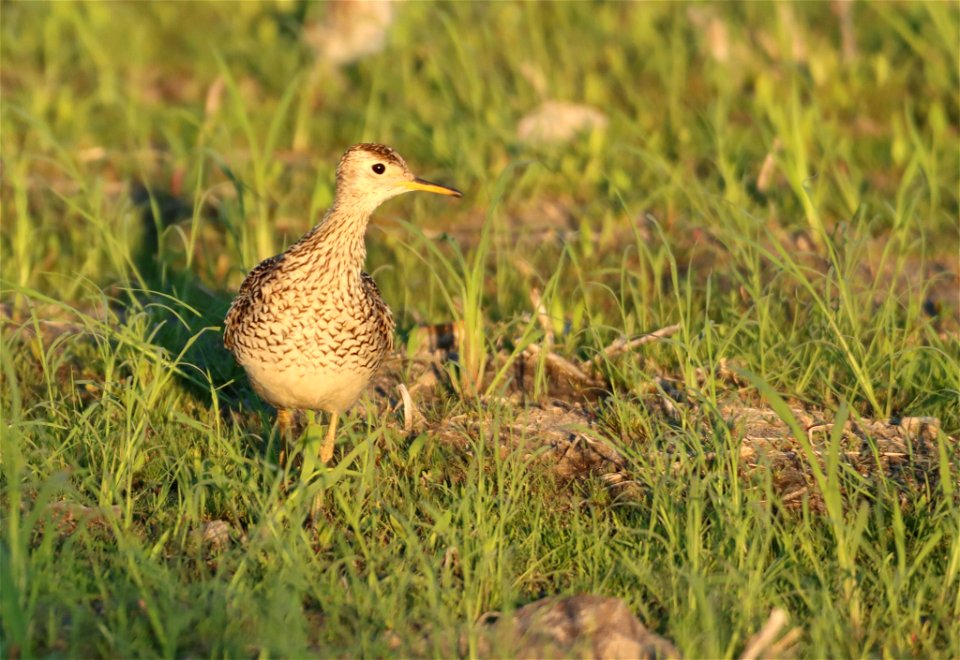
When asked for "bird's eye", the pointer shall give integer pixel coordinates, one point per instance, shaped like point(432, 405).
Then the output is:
point(379, 168)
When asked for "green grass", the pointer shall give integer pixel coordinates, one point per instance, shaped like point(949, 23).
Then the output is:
point(833, 286)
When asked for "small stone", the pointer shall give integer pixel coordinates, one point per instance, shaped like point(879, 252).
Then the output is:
point(920, 427)
point(351, 31)
point(214, 534)
point(556, 122)
point(582, 626)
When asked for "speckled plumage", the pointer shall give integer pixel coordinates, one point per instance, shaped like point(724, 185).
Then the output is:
point(309, 326)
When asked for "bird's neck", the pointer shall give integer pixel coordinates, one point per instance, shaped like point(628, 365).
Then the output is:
point(336, 244)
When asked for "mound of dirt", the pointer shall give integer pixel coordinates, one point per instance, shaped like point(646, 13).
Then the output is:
point(565, 432)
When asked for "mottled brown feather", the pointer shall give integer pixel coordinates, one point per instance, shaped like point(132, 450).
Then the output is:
point(247, 296)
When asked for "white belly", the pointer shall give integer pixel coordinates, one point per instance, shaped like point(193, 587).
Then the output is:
point(306, 387)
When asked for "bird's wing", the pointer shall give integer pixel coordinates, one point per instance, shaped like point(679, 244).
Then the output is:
point(248, 296)
point(382, 316)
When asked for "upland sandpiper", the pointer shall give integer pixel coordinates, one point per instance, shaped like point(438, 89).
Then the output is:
point(309, 326)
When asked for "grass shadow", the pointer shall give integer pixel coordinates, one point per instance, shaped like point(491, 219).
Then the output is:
point(186, 314)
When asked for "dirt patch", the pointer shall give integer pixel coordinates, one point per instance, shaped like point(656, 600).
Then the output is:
point(565, 433)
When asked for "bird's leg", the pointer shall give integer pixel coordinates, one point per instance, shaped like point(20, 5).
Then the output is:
point(284, 427)
point(326, 453)
point(326, 449)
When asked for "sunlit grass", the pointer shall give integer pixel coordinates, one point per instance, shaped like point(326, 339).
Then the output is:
point(823, 286)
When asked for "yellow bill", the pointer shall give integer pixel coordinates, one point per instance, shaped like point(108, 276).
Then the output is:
point(426, 186)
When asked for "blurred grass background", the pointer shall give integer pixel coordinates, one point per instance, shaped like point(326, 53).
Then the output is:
point(780, 178)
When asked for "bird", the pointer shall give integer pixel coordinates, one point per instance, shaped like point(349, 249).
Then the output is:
point(309, 326)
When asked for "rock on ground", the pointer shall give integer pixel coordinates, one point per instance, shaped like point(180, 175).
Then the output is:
point(582, 626)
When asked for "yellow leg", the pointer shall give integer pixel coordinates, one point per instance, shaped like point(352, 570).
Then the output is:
point(326, 449)
point(285, 427)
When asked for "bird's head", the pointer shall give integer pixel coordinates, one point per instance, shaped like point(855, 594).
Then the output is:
point(370, 174)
